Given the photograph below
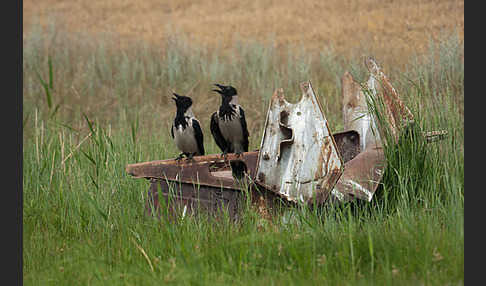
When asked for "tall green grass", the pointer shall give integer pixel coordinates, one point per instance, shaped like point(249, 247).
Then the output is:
point(84, 220)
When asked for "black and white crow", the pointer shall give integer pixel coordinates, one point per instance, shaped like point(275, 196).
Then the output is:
point(228, 124)
point(186, 130)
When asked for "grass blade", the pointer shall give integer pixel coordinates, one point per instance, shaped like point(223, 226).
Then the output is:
point(46, 89)
point(51, 73)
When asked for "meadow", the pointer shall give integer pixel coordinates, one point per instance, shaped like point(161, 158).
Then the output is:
point(393, 29)
point(90, 107)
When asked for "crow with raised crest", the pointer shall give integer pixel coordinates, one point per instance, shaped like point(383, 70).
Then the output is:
point(228, 124)
point(186, 130)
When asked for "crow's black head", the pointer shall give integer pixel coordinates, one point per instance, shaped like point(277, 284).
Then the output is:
point(182, 102)
point(225, 90)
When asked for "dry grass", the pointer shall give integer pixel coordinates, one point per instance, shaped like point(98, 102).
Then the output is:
point(115, 60)
point(393, 30)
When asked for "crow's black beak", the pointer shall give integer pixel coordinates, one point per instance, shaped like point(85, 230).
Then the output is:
point(176, 96)
point(221, 88)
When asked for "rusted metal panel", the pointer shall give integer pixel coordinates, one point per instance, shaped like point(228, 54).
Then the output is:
point(298, 159)
point(176, 199)
point(208, 184)
point(210, 170)
point(356, 115)
point(361, 176)
point(363, 173)
point(398, 116)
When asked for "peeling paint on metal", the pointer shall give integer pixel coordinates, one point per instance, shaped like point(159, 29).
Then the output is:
point(355, 110)
point(303, 149)
point(359, 187)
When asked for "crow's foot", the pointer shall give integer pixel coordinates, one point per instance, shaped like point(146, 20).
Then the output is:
point(190, 158)
point(179, 158)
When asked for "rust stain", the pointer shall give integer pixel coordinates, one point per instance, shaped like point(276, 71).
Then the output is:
point(261, 178)
point(323, 159)
point(330, 179)
point(204, 170)
point(397, 113)
point(296, 139)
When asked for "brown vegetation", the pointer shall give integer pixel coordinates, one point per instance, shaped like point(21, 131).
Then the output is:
point(391, 29)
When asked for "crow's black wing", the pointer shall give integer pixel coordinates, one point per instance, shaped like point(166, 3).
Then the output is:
point(245, 129)
point(172, 131)
point(218, 137)
point(199, 136)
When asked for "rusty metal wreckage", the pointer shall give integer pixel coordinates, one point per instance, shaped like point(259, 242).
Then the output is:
point(300, 161)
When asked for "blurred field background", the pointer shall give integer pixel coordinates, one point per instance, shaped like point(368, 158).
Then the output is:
point(96, 82)
point(392, 29)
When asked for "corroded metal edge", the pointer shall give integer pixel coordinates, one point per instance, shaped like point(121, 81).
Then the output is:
point(207, 170)
point(310, 190)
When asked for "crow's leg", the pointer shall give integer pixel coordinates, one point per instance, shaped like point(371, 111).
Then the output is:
point(224, 155)
point(189, 157)
point(179, 158)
